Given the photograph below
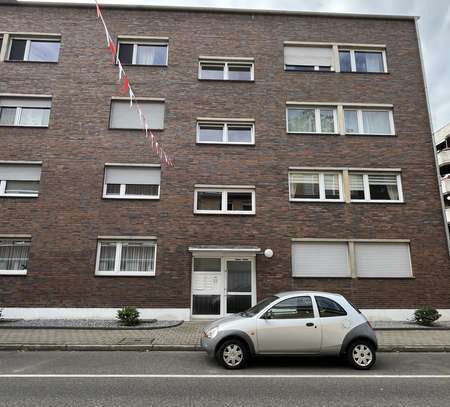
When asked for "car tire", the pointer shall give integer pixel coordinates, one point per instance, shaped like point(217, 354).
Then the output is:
point(361, 355)
point(233, 354)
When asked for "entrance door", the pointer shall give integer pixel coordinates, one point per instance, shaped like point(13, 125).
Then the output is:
point(222, 285)
point(239, 285)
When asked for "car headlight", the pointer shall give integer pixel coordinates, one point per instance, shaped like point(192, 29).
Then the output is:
point(212, 333)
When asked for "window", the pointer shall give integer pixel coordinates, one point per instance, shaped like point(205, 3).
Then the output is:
point(362, 61)
point(133, 182)
point(126, 258)
point(293, 308)
point(329, 308)
point(143, 53)
point(315, 186)
point(320, 259)
point(383, 260)
point(311, 120)
point(34, 49)
point(308, 58)
point(28, 112)
point(376, 187)
point(225, 133)
point(226, 70)
point(124, 117)
point(207, 264)
point(19, 180)
point(371, 121)
point(351, 258)
point(14, 256)
point(218, 201)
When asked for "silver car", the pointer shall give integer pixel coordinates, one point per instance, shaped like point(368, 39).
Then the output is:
point(296, 322)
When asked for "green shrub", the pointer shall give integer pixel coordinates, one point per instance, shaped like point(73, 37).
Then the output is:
point(128, 316)
point(426, 316)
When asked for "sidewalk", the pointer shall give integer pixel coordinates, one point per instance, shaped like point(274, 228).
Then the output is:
point(187, 337)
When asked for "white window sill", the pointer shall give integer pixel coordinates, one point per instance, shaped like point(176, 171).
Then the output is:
point(125, 274)
point(312, 132)
point(19, 195)
point(24, 125)
point(370, 134)
point(317, 200)
point(143, 197)
point(13, 272)
point(197, 212)
point(225, 143)
point(376, 202)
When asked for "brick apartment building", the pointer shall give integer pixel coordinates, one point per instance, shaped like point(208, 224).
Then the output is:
point(442, 141)
point(305, 134)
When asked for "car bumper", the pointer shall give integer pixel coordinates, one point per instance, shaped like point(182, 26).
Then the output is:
point(208, 345)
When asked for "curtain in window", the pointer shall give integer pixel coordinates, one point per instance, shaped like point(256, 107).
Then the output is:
point(34, 117)
point(376, 122)
point(302, 120)
point(326, 120)
point(137, 258)
point(14, 256)
point(151, 55)
point(305, 185)
point(356, 186)
point(369, 61)
point(331, 186)
point(387, 181)
point(107, 257)
point(7, 116)
point(351, 121)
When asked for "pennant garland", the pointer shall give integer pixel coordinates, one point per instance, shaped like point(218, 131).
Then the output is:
point(124, 88)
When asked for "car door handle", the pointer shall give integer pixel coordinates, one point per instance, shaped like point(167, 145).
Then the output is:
point(309, 324)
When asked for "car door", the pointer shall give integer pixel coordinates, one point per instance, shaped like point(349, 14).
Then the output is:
point(290, 326)
point(334, 323)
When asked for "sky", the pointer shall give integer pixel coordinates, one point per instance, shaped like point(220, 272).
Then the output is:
point(434, 29)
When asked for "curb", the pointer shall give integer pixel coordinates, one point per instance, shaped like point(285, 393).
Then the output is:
point(194, 348)
point(91, 328)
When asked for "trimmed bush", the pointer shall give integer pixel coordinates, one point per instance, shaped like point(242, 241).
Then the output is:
point(426, 316)
point(128, 316)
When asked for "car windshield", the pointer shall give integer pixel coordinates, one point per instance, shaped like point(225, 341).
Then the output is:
point(258, 307)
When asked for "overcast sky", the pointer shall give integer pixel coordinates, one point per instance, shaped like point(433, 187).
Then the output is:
point(434, 26)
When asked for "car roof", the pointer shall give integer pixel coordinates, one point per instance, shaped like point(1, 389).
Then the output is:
point(284, 294)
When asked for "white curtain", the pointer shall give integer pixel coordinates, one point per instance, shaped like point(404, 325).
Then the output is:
point(376, 122)
point(151, 55)
point(302, 120)
point(107, 257)
point(137, 258)
point(326, 121)
point(7, 116)
point(34, 116)
point(351, 121)
point(14, 256)
point(331, 186)
point(388, 181)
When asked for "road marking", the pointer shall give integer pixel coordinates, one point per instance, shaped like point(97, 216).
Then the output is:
point(226, 376)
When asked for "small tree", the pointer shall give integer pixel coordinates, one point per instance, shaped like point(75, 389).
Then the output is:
point(128, 316)
point(426, 316)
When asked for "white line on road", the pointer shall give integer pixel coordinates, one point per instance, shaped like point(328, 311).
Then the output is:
point(225, 376)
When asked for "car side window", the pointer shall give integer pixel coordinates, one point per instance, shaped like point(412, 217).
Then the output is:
point(329, 308)
point(293, 308)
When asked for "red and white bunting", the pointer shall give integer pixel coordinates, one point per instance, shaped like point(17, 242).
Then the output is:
point(124, 87)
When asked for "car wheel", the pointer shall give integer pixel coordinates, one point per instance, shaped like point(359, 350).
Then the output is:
point(233, 354)
point(361, 355)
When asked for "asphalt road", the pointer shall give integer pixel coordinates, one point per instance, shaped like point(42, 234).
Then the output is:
point(191, 379)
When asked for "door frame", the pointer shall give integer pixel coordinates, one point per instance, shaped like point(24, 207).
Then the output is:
point(224, 258)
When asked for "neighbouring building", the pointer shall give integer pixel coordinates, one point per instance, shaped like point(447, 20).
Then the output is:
point(442, 141)
point(304, 133)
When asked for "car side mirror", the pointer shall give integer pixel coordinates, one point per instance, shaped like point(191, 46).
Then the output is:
point(268, 314)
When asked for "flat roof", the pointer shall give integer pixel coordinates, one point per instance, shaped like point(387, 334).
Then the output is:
point(207, 9)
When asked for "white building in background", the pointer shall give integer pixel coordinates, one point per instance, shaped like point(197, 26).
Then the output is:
point(442, 141)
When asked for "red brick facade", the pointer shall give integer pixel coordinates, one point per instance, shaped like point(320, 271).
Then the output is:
point(69, 214)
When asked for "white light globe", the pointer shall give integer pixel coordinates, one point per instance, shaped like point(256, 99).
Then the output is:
point(268, 253)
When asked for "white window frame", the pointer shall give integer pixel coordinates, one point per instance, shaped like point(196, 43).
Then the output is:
point(226, 64)
point(224, 194)
point(19, 114)
point(353, 59)
point(17, 272)
point(5, 194)
point(367, 197)
point(318, 123)
point(143, 43)
point(359, 113)
point(225, 125)
point(322, 197)
point(119, 245)
point(26, 54)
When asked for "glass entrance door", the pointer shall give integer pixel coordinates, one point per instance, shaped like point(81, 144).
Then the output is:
point(239, 294)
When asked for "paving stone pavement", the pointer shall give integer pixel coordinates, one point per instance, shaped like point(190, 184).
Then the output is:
point(188, 334)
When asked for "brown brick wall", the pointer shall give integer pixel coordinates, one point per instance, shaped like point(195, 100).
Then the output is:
point(69, 214)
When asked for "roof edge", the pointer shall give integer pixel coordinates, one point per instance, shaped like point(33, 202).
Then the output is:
point(207, 9)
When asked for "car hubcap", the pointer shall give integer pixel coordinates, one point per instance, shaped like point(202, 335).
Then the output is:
point(232, 355)
point(362, 355)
